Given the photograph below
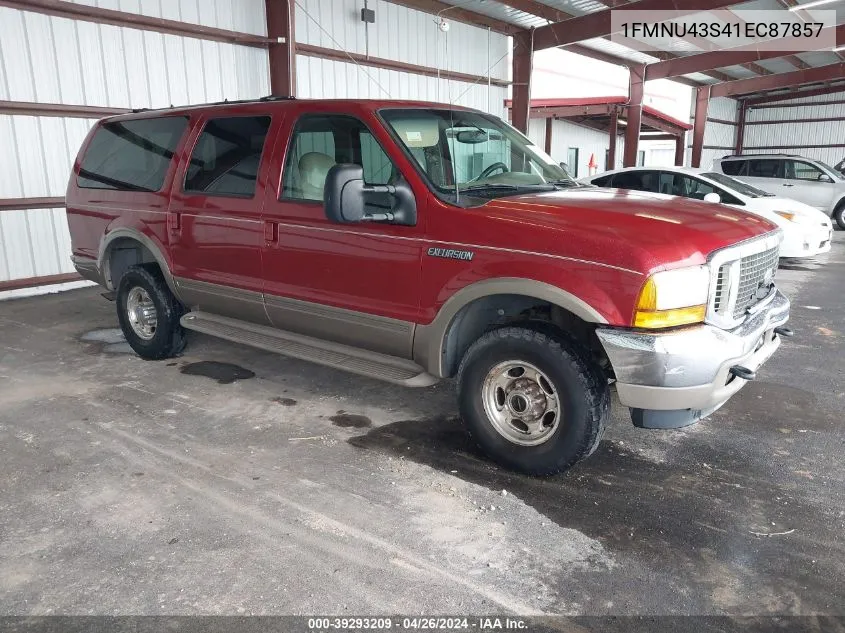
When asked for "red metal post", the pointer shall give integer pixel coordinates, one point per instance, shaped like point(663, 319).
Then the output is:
point(635, 115)
point(523, 60)
point(740, 127)
point(680, 141)
point(613, 132)
point(549, 131)
point(702, 101)
point(282, 50)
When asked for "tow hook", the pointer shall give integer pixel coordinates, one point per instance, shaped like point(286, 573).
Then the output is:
point(784, 331)
point(743, 372)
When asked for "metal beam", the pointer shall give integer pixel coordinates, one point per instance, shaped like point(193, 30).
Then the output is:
point(34, 282)
point(28, 108)
point(453, 12)
point(702, 101)
point(736, 56)
point(613, 132)
point(634, 115)
point(549, 133)
point(740, 127)
point(282, 52)
point(798, 94)
point(523, 61)
point(597, 24)
point(74, 11)
point(310, 50)
point(532, 7)
point(680, 142)
point(23, 204)
point(779, 80)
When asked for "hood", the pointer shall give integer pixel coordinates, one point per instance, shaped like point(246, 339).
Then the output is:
point(630, 229)
point(804, 212)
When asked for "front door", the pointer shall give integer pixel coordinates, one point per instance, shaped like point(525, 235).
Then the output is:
point(214, 220)
point(356, 284)
point(809, 184)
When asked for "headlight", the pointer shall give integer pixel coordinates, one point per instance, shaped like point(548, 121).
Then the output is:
point(673, 297)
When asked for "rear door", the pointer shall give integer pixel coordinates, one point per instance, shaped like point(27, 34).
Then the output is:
point(357, 284)
point(765, 173)
point(214, 218)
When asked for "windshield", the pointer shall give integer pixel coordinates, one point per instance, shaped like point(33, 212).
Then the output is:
point(738, 186)
point(461, 151)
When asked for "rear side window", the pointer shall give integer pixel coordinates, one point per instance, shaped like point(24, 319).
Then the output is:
point(733, 167)
point(131, 155)
point(765, 168)
point(602, 181)
point(226, 157)
point(636, 180)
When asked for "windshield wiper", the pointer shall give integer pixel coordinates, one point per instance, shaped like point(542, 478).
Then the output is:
point(501, 188)
point(566, 183)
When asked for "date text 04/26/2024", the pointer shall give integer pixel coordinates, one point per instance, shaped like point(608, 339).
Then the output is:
point(418, 623)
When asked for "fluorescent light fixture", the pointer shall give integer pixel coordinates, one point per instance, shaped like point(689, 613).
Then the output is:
point(810, 5)
point(838, 48)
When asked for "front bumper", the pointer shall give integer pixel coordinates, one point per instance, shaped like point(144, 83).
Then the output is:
point(807, 242)
point(689, 369)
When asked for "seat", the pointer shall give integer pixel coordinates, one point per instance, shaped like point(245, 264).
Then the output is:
point(313, 169)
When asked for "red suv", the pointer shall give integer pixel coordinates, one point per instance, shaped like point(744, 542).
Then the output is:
point(412, 242)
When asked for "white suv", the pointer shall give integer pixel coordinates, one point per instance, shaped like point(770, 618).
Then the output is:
point(803, 179)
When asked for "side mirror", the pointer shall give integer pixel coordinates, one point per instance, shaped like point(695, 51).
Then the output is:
point(346, 198)
point(825, 178)
point(712, 197)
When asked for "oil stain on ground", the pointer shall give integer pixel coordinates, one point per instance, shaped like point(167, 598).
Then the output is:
point(351, 420)
point(224, 373)
point(285, 402)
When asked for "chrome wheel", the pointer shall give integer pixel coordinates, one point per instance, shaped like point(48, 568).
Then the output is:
point(141, 312)
point(521, 403)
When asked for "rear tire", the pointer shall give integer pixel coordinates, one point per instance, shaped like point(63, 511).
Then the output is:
point(149, 314)
point(533, 402)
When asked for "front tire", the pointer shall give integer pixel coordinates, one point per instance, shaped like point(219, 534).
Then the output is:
point(533, 402)
point(839, 215)
point(149, 314)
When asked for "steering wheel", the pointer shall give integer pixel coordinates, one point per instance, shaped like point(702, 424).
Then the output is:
point(489, 171)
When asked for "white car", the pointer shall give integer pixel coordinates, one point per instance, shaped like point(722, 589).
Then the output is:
point(810, 181)
point(806, 230)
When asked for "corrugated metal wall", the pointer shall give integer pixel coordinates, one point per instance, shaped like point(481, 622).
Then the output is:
point(720, 137)
point(790, 137)
point(399, 34)
point(566, 134)
point(55, 60)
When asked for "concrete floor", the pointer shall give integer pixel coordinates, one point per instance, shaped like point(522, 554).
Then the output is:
point(130, 487)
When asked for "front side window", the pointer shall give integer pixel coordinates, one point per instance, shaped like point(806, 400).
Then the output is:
point(131, 155)
point(799, 170)
point(226, 157)
point(469, 152)
point(765, 168)
point(320, 142)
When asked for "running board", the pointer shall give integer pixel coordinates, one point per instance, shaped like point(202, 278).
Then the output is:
point(351, 359)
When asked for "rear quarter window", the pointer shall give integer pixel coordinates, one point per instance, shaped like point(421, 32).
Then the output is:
point(131, 155)
point(733, 167)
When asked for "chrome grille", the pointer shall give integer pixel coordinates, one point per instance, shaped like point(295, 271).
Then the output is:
point(719, 296)
point(752, 276)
